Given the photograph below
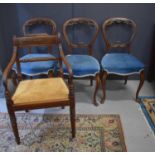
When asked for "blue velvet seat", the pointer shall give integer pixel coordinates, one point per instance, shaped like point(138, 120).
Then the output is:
point(82, 65)
point(121, 64)
point(36, 68)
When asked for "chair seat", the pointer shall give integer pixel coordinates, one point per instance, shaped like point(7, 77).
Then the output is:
point(36, 68)
point(121, 63)
point(41, 91)
point(82, 65)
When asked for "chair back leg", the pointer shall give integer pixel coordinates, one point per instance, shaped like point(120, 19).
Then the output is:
point(126, 80)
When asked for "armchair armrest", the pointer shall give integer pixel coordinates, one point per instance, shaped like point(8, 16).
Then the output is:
point(66, 63)
point(9, 67)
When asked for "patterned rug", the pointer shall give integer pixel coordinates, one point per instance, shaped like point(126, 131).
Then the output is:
point(148, 108)
point(52, 133)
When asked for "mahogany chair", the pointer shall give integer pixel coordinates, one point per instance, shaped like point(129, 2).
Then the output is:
point(38, 93)
point(118, 59)
point(34, 27)
point(83, 65)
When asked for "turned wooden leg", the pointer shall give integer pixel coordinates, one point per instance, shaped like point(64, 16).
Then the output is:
point(97, 78)
point(72, 115)
point(126, 80)
point(140, 85)
point(12, 116)
point(91, 81)
point(103, 80)
point(14, 127)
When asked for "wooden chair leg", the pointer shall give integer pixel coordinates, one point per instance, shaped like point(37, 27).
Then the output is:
point(103, 81)
point(126, 80)
point(72, 111)
point(14, 126)
point(140, 85)
point(91, 81)
point(97, 78)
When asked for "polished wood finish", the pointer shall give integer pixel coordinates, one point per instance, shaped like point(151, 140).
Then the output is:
point(12, 108)
point(118, 45)
point(80, 45)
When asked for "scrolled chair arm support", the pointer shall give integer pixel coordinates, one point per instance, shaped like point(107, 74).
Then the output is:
point(66, 64)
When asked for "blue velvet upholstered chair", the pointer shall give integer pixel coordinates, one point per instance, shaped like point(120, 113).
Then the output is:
point(118, 59)
point(34, 27)
point(80, 34)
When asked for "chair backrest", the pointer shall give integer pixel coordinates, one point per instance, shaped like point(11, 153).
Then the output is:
point(38, 21)
point(36, 41)
point(118, 44)
point(81, 21)
point(35, 23)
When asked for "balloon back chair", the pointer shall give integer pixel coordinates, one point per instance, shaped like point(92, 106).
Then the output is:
point(83, 65)
point(34, 27)
point(38, 93)
point(118, 59)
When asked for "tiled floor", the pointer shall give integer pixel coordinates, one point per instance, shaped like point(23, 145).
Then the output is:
point(120, 100)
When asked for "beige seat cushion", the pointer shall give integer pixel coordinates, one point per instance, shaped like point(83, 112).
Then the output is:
point(41, 91)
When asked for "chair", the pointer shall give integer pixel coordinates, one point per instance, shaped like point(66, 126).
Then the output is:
point(121, 63)
point(83, 65)
point(38, 93)
point(34, 27)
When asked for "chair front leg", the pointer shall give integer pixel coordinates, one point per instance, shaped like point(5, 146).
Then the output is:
point(97, 78)
point(12, 118)
point(104, 76)
point(140, 85)
point(72, 111)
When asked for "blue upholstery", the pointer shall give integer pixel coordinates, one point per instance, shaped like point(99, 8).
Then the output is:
point(36, 68)
point(121, 63)
point(82, 65)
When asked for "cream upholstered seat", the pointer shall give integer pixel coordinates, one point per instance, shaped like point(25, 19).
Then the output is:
point(41, 91)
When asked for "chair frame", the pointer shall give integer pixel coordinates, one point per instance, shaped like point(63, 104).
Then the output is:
point(22, 42)
point(119, 45)
point(80, 45)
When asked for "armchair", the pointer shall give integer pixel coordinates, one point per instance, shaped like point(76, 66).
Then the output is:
point(38, 93)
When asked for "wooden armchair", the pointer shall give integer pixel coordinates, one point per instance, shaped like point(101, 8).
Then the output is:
point(38, 93)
